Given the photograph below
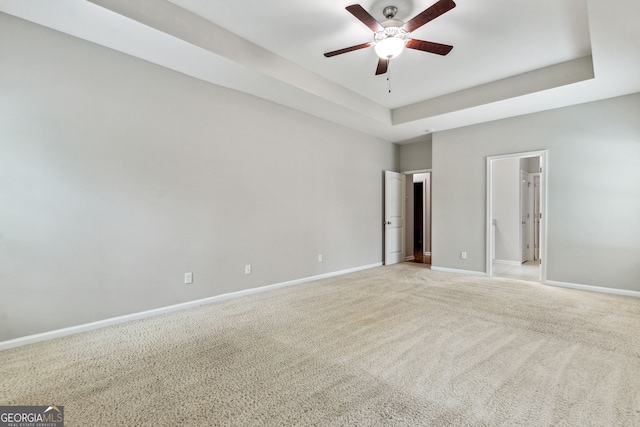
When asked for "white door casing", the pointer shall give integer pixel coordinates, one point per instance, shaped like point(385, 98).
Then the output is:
point(536, 216)
point(541, 208)
point(526, 213)
point(394, 217)
point(427, 214)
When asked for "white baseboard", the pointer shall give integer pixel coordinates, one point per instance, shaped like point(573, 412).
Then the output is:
point(30, 339)
point(593, 288)
point(410, 258)
point(506, 262)
point(456, 271)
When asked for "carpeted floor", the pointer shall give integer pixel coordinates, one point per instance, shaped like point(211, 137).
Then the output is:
point(397, 345)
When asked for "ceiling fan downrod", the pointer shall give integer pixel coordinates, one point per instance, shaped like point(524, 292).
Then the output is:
point(389, 12)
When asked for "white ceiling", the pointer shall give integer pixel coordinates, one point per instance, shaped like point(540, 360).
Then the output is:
point(492, 39)
point(510, 57)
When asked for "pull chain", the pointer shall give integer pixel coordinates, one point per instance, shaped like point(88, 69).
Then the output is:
point(389, 77)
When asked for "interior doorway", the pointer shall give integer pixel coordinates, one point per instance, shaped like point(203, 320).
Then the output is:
point(516, 194)
point(421, 221)
point(418, 221)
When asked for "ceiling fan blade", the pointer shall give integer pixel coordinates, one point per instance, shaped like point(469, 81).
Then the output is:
point(364, 17)
point(429, 14)
point(431, 47)
point(383, 65)
point(347, 49)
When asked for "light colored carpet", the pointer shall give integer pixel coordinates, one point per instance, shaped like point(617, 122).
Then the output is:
point(397, 345)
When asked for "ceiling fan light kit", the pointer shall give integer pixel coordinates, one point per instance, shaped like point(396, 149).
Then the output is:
point(390, 42)
point(391, 36)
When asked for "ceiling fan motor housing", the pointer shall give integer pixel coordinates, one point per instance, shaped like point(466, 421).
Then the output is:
point(394, 30)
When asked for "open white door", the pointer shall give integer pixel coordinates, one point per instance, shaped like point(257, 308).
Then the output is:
point(394, 214)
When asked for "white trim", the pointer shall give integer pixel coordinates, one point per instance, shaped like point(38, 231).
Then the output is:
point(534, 175)
point(416, 171)
point(593, 288)
point(456, 271)
point(44, 336)
point(489, 243)
point(426, 214)
point(507, 262)
point(410, 258)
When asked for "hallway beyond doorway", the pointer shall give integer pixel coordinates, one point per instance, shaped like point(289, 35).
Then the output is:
point(420, 258)
point(529, 271)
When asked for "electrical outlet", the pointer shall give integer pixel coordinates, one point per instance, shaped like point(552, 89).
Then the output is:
point(188, 278)
point(247, 269)
point(320, 258)
point(463, 255)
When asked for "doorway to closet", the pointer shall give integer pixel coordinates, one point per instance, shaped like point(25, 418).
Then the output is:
point(420, 227)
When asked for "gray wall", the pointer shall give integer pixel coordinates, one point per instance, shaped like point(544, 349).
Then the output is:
point(416, 156)
point(118, 176)
point(593, 226)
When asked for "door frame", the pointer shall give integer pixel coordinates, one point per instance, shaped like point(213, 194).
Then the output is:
point(536, 213)
point(527, 198)
point(543, 154)
point(426, 214)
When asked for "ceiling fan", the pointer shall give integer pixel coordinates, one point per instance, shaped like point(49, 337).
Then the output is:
point(391, 36)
